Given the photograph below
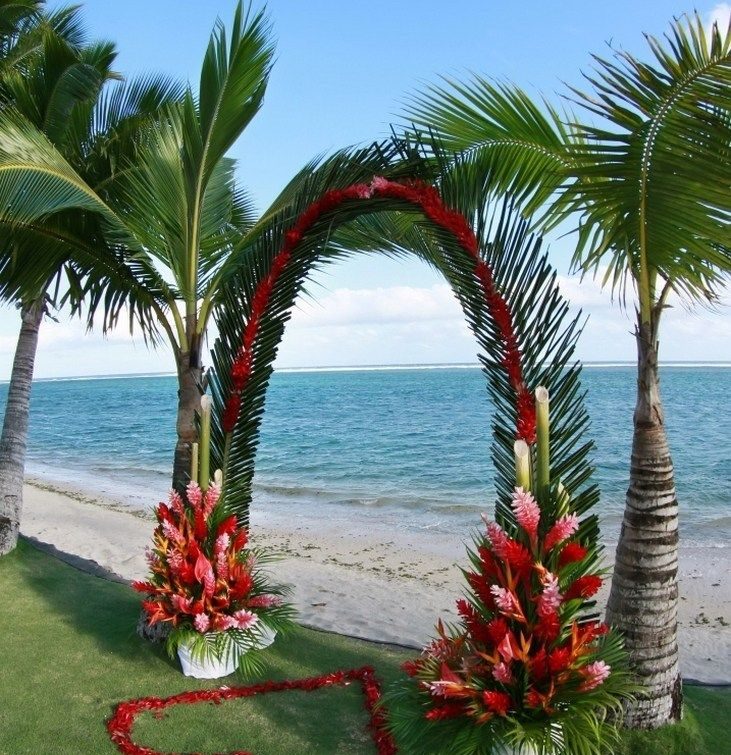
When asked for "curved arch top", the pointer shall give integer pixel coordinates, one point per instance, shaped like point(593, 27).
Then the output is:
point(427, 199)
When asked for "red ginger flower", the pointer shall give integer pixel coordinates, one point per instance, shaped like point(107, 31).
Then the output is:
point(497, 702)
point(571, 553)
point(519, 558)
point(583, 587)
point(559, 660)
point(448, 710)
point(497, 629)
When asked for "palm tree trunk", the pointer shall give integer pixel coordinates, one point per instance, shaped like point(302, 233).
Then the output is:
point(643, 601)
point(14, 438)
point(190, 389)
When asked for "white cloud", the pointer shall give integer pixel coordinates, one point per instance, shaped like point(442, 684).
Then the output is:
point(721, 15)
point(397, 304)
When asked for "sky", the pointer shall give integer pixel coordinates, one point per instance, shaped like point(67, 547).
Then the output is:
point(343, 72)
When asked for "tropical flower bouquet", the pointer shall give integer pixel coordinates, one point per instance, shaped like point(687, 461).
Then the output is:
point(527, 669)
point(207, 583)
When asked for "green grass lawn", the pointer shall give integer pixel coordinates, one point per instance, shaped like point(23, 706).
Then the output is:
point(69, 653)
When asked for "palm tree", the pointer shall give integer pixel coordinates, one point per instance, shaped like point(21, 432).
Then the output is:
point(175, 209)
point(60, 90)
point(648, 192)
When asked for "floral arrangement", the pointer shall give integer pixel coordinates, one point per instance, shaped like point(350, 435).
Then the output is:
point(525, 667)
point(205, 581)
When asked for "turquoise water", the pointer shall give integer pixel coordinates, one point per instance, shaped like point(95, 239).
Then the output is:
point(410, 446)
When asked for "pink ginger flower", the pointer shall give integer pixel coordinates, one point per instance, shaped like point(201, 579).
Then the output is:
point(379, 183)
point(151, 557)
point(201, 622)
point(501, 673)
point(594, 673)
point(245, 619)
point(526, 511)
point(504, 599)
point(211, 499)
point(172, 533)
point(265, 601)
point(175, 560)
point(498, 539)
point(561, 530)
point(194, 494)
point(176, 502)
point(550, 599)
point(221, 545)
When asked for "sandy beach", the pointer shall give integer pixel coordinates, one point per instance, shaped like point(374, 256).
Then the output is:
point(388, 588)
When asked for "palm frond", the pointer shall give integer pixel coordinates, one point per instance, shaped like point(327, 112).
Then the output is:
point(652, 189)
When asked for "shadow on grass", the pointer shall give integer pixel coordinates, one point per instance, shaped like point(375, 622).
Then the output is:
point(93, 601)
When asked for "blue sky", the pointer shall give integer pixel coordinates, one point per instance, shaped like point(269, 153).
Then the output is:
point(343, 71)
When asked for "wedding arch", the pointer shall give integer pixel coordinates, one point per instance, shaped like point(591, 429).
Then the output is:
point(498, 272)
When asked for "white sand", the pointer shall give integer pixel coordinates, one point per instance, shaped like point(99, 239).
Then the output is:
point(390, 590)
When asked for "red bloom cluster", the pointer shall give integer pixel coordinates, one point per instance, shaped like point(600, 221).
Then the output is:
point(202, 575)
point(430, 201)
point(120, 725)
point(520, 644)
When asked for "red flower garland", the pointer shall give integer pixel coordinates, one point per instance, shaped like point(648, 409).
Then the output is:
point(428, 199)
point(121, 723)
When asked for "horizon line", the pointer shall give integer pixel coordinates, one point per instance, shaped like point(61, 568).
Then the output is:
point(377, 367)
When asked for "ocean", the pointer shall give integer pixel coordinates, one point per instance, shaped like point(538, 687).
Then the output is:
point(403, 448)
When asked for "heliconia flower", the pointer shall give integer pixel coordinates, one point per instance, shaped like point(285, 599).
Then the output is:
point(526, 511)
point(504, 599)
point(501, 673)
point(245, 619)
point(550, 599)
point(583, 587)
point(594, 674)
point(497, 702)
point(498, 538)
point(561, 530)
point(507, 648)
point(194, 494)
point(571, 553)
point(201, 623)
point(265, 601)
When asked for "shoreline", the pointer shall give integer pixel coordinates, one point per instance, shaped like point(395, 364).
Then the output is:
point(390, 588)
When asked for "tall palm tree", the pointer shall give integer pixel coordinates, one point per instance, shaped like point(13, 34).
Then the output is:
point(648, 192)
point(175, 209)
point(61, 90)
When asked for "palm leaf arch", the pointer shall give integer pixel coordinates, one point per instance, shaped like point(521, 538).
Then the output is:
point(545, 331)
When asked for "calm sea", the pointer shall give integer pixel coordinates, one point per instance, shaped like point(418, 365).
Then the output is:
point(408, 448)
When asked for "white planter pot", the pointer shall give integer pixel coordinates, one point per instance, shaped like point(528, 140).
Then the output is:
point(213, 668)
